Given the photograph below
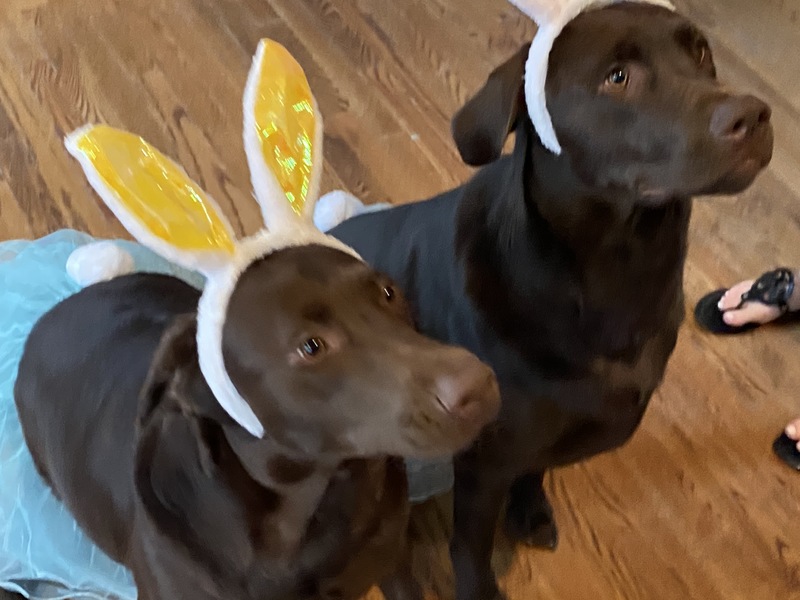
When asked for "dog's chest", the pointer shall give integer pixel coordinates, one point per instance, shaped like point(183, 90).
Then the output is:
point(559, 411)
point(358, 532)
point(623, 381)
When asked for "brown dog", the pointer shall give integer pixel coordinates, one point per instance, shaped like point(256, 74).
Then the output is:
point(565, 272)
point(125, 430)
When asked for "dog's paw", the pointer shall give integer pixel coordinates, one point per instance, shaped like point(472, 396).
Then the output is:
point(532, 525)
point(487, 592)
point(499, 595)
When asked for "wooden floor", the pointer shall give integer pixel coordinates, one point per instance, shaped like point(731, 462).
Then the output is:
point(695, 507)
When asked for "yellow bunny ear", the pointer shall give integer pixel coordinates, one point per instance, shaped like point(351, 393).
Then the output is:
point(282, 137)
point(154, 198)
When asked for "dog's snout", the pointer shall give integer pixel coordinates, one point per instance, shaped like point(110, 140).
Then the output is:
point(735, 118)
point(469, 392)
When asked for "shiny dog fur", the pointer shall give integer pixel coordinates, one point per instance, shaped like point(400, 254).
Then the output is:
point(125, 430)
point(565, 273)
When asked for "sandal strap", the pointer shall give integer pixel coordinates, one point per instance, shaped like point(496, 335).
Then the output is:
point(773, 288)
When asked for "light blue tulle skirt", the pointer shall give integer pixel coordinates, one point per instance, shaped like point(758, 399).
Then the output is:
point(43, 553)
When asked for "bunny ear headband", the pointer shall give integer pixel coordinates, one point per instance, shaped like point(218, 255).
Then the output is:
point(170, 214)
point(552, 16)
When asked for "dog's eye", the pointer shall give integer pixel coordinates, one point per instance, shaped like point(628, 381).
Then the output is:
point(311, 348)
point(388, 293)
point(617, 78)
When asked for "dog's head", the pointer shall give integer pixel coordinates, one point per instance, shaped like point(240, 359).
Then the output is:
point(323, 349)
point(635, 102)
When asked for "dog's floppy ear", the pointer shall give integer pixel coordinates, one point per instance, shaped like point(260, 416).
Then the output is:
point(173, 363)
point(482, 125)
point(182, 463)
point(187, 503)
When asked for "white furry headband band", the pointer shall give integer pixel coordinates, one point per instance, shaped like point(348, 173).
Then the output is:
point(552, 16)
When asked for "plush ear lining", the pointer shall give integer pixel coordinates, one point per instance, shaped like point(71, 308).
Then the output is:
point(481, 127)
point(154, 198)
point(286, 165)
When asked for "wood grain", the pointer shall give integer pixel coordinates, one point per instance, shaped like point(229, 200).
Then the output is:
point(695, 506)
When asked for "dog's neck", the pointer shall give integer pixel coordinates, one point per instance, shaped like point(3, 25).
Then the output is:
point(300, 481)
point(584, 218)
point(551, 241)
point(541, 200)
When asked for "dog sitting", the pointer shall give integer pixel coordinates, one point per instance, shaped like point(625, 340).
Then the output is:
point(564, 270)
point(124, 429)
point(237, 443)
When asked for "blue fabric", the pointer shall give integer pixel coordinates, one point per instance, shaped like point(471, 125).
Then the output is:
point(43, 553)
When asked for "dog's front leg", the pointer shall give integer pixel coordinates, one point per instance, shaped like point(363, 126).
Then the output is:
point(478, 498)
point(401, 584)
point(529, 516)
point(145, 585)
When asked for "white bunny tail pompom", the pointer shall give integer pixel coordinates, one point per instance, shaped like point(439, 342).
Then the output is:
point(334, 208)
point(98, 261)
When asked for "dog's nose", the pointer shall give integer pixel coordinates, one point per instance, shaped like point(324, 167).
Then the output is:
point(470, 392)
point(735, 118)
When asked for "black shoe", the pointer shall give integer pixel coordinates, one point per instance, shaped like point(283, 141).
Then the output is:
point(773, 288)
point(786, 449)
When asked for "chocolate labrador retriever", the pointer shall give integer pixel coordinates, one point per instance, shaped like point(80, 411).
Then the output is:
point(125, 430)
point(564, 272)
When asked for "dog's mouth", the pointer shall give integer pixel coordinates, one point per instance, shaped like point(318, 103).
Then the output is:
point(735, 174)
point(472, 417)
point(745, 168)
point(743, 174)
point(436, 429)
point(653, 196)
point(750, 166)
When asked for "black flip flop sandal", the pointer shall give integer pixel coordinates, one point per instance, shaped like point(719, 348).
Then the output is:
point(773, 288)
point(785, 448)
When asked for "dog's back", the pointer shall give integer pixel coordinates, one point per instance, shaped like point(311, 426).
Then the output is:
point(420, 257)
point(77, 394)
point(578, 343)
